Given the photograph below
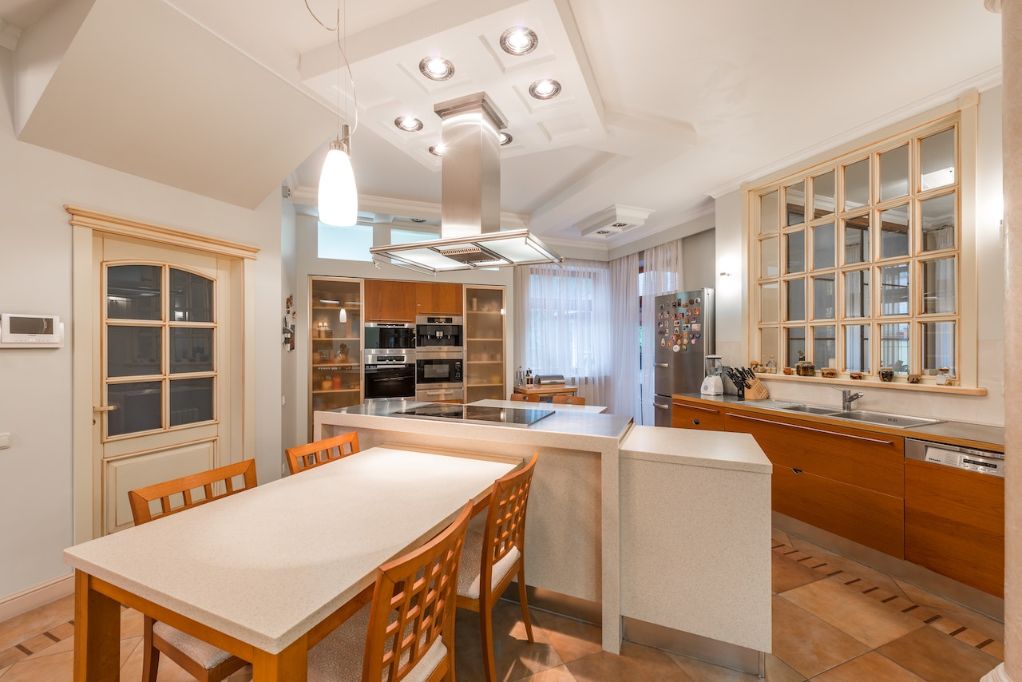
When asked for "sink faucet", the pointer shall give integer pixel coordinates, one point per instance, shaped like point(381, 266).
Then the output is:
point(847, 398)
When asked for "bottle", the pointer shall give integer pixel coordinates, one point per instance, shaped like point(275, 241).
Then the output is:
point(528, 377)
point(771, 365)
point(519, 376)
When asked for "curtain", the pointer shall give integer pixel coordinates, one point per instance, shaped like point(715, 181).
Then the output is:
point(563, 321)
point(661, 274)
point(625, 397)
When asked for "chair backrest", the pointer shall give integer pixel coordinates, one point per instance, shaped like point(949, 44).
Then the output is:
point(505, 519)
point(569, 400)
point(414, 603)
point(321, 452)
point(141, 511)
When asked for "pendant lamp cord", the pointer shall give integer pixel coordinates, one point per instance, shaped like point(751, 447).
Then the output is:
point(342, 53)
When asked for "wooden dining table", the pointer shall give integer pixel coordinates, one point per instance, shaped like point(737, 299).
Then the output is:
point(268, 573)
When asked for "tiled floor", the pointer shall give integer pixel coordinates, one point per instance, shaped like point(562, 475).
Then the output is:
point(834, 621)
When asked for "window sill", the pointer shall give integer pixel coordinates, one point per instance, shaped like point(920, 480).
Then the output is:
point(872, 382)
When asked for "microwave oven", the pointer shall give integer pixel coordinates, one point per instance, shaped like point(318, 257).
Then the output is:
point(31, 331)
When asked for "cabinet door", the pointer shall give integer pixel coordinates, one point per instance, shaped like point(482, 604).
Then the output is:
point(388, 301)
point(864, 516)
point(863, 458)
point(685, 416)
point(447, 299)
point(424, 298)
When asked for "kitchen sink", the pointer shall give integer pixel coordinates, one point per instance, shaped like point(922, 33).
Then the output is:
point(895, 420)
point(811, 410)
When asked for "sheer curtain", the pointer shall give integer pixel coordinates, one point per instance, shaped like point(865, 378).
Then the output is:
point(563, 322)
point(625, 397)
point(661, 274)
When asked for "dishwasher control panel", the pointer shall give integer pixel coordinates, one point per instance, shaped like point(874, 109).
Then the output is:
point(969, 459)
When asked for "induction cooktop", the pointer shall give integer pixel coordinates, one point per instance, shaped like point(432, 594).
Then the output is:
point(475, 413)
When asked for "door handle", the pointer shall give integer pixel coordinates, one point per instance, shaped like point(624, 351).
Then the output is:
point(796, 471)
point(662, 364)
point(104, 408)
point(661, 407)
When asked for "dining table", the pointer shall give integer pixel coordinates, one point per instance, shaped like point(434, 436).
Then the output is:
point(267, 573)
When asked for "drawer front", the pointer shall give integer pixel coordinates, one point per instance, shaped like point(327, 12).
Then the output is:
point(684, 416)
point(864, 516)
point(861, 458)
point(954, 524)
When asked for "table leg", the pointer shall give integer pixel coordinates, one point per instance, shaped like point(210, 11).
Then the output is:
point(290, 665)
point(97, 654)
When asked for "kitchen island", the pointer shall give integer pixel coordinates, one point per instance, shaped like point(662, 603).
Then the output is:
point(658, 535)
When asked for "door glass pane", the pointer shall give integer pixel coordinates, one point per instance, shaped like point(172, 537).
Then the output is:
point(139, 407)
point(768, 212)
point(191, 400)
point(795, 204)
point(938, 216)
point(795, 344)
point(857, 296)
point(768, 258)
point(191, 350)
point(133, 292)
point(894, 290)
point(938, 346)
point(823, 194)
point(856, 184)
point(191, 297)
point(939, 286)
point(824, 347)
point(823, 246)
point(894, 173)
point(894, 224)
point(795, 259)
point(894, 347)
point(768, 344)
point(133, 351)
point(857, 348)
point(769, 302)
point(823, 297)
point(857, 239)
point(796, 289)
point(937, 160)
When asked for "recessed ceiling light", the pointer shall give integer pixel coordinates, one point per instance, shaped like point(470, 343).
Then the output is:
point(418, 220)
point(409, 124)
point(505, 139)
point(438, 149)
point(436, 68)
point(518, 40)
point(545, 88)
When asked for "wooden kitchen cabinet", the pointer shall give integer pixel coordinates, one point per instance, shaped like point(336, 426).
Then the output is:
point(389, 301)
point(687, 416)
point(438, 298)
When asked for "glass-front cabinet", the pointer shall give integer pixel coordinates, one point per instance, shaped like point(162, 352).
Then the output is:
point(484, 343)
point(335, 337)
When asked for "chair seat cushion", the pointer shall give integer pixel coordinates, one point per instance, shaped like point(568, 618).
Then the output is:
point(206, 655)
point(468, 567)
point(338, 657)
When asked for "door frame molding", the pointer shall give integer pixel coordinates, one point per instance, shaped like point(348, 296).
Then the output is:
point(88, 225)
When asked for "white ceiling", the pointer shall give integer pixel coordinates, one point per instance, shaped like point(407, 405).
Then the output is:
point(673, 100)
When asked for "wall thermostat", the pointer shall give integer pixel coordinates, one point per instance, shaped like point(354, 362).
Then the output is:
point(31, 331)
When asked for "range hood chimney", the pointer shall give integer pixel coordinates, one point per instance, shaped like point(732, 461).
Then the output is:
point(470, 200)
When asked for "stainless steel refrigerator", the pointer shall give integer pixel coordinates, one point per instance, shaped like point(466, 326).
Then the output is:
point(683, 337)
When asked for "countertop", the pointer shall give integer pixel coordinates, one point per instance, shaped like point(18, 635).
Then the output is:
point(514, 404)
point(979, 436)
point(713, 449)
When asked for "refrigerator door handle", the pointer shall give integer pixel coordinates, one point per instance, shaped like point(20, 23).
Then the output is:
point(662, 364)
point(661, 407)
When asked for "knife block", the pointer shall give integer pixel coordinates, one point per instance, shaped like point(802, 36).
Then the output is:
point(756, 390)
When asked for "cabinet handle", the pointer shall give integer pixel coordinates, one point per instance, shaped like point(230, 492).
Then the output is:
point(696, 422)
point(696, 407)
point(104, 408)
point(878, 441)
point(662, 364)
point(796, 471)
point(661, 407)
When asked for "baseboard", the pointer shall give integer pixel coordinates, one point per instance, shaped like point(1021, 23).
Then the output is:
point(34, 597)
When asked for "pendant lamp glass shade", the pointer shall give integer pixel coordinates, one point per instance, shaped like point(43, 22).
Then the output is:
point(338, 195)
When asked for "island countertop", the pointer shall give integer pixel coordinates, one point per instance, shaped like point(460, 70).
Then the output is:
point(713, 449)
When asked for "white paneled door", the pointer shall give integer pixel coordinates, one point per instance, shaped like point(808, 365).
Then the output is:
point(162, 372)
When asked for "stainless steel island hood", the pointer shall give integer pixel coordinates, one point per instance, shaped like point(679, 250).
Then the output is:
point(470, 200)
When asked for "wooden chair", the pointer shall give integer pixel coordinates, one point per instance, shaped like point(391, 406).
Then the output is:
point(496, 556)
point(522, 398)
point(569, 400)
point(407, 630)
point(202, 661)
point(321, 452)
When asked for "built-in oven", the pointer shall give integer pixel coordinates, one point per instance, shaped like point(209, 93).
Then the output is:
point(389, 373)
point(438, 332)
point(389, 335)
point(439, 376)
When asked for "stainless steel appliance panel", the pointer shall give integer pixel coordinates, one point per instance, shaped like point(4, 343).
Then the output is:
point(968, 459)
point(684, 335)
point(436, 370)
point(439, 332)
point(430, 394)
point(661, 410)
point(389, 380)
point(389, 335)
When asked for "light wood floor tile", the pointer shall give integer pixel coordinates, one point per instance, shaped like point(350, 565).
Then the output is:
point(787, 575)
point(514, 656)
point(808, 644)
point(938, 658)
point(29, 624)
point(635, 663)
point(871, 666)
point(558, 674)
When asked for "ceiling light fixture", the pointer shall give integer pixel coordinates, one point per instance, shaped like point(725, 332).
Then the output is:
point(545, 88)
point(505, 138)
point(438, 149)
point(338, 193)
point(409, 124)
point(436, 68)
point(418, 220)
point(518, 40)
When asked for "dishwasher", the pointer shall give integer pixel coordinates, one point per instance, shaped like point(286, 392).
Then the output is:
point(954, 512)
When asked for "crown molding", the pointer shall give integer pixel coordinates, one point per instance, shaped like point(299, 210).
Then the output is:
point(9, 35)
point(952, 94)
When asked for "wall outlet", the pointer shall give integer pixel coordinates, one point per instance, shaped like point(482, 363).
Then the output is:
point(5, 441)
